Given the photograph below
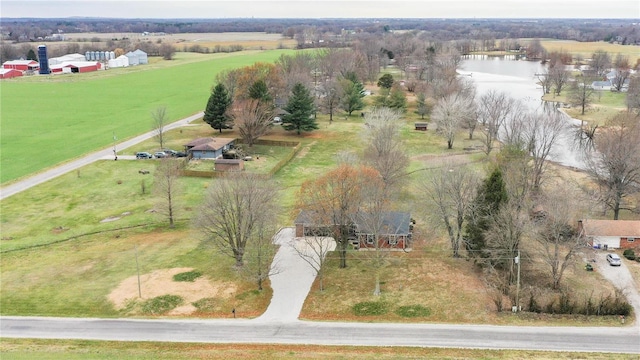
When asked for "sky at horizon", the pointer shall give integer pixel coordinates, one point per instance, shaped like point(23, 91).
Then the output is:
point(208, 9)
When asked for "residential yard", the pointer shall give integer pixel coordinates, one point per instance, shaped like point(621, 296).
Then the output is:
point(605, 105)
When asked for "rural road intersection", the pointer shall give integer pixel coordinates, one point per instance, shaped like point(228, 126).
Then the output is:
point(279, 324)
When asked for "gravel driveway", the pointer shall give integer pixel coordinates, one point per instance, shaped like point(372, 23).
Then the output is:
point(621, 278)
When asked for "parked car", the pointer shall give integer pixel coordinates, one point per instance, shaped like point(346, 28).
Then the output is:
point(277, 120)
point(160, 155)
point(174, 153)
point(614, 259)
point(143, 155)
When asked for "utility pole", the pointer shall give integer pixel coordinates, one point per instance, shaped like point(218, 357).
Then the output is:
point(517, 260)
point(115, 153)
point(138, 268)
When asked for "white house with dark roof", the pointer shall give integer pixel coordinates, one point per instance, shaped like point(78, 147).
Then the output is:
point(208, 148)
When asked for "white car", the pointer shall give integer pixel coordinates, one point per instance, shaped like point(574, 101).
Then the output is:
point(614, 259)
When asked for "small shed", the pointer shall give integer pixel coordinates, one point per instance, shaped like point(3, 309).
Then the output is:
point(133, 58)
point(9, 73)
point(421, 126)
point(120, 61)
point(611, 234)
point(229, 165)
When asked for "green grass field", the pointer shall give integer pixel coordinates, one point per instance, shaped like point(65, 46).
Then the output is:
point(48, 122)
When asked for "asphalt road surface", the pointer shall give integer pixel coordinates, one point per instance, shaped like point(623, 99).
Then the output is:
point(64, 168)
point(581, 339)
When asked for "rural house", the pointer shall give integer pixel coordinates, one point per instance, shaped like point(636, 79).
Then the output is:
point(208, 148)
point(611, 234)
point(395, 230)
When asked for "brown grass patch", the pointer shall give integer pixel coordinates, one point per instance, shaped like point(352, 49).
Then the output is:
point(160, 282)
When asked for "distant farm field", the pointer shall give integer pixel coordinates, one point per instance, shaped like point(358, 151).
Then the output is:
point(586, 49)
point(49, 120)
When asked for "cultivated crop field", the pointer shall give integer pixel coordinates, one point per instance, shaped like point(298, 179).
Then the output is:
point(49, 120)
point(586, 49)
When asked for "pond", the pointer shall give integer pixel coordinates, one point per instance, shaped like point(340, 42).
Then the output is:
point(518, 79)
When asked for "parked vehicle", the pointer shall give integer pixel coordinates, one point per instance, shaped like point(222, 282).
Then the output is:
point(143, 155)
point(614, 259)
point(174, 153)
point(160, 155)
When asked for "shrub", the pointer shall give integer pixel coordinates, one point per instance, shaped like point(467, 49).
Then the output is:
point(190, 276)
point(413, 311)
point(161, 304)
point(629, 254)
point(370, 308)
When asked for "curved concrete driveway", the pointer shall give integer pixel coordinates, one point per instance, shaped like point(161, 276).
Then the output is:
point(622, 279)
point(64, 168)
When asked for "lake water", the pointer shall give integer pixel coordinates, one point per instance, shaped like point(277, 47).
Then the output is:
point(518, 79)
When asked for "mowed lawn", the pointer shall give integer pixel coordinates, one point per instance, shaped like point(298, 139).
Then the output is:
point(45, 123)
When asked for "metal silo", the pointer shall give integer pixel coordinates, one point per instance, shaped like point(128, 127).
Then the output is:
point(112, 55)
point(43, 60)
point(87, 55)
point(95, 56)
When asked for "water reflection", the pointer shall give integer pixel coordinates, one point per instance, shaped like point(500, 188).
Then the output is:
point(518, 78)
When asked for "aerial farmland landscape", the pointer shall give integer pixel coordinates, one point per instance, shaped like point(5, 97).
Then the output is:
point(290, 184)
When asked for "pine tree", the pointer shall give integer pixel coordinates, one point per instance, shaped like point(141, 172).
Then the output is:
point(491, 196)
point(353, 94)
point(397, 99)
point(31, 55)
point(260, 91)
point(300, 109)
point(421, 105)
point(385, 81)
point(216, 112)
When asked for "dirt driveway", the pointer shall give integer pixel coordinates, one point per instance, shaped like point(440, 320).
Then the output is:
point(621, 278)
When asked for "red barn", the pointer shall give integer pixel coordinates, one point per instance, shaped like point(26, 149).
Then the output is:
point(75, 67)
point(9, 73)
point(22, 65)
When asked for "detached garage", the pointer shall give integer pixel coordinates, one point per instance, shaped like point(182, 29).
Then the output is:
point(611, 234)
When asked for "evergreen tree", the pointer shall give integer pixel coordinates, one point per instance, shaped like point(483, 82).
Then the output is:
point(353, 93)
point(385, 81)
point(31, 55)
point(421, 105)
point(300, 110)
point(259, 91)
point(216, 112)
point(397, 99)
point(491, 195)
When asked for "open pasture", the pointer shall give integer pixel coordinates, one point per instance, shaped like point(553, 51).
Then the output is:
point(48, 122)
point(586, 49)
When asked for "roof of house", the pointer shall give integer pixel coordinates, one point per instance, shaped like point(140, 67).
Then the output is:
point(139, 52)
point(393, 222)
point(209, 143)
point(601, 83)
point(6, 71)
point(622, 228)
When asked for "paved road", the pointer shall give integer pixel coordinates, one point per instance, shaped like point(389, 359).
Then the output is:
point(64, 168)
point(585, 339)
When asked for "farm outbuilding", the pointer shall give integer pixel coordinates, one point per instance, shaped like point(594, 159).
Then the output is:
point(76, 67)
point(120, 61)
point(611, 234)
point(9, 73)
point(67, 58)
point(142, 57)
point(22, 65)
point(208, 148)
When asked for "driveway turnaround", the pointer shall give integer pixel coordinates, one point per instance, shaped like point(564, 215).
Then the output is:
point(64, 168)
point(621, 278)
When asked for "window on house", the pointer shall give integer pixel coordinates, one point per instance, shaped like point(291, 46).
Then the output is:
point(631, 239)
point(393, 240)
point(369, 239)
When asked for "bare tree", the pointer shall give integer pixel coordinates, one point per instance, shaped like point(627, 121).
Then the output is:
point(581, 93)
point(543, 131)
point(600, 62)
point(253, 119)
point(449, 113)
point(622, 72)
point(385, 149)
point(615, 163)
point(554, 232)
point(559, 77)
point(166, 185)
point(159, 116)
point(313, 250)
point(546, 81)
point(633, 96)
point(494, 109)
point(234, 210)
point(329, 101)
point(451, 190)
point(260, 261)
point(333, 198)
